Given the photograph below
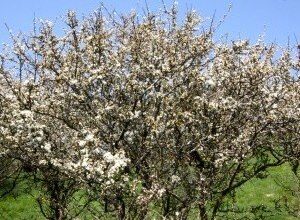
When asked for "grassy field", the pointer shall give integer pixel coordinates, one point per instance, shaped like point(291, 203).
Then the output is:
point(258, 197)
point(20, 205)
point(255, 200)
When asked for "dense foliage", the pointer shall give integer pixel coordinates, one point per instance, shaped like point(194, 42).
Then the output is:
point(142, 112)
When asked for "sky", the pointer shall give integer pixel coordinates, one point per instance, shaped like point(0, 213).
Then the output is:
point(276, 20)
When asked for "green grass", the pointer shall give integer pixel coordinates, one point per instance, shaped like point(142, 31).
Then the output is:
point(256, 199)
point(259, 195)
point(20, 205)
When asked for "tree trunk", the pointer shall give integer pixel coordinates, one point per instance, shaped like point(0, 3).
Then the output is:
point(57, 201)
point(121, 208)
point(202, 211)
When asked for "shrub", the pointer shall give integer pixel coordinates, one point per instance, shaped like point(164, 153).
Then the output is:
point(146, 113)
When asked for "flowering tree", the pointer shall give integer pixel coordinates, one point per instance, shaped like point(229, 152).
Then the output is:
point(145, 113)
